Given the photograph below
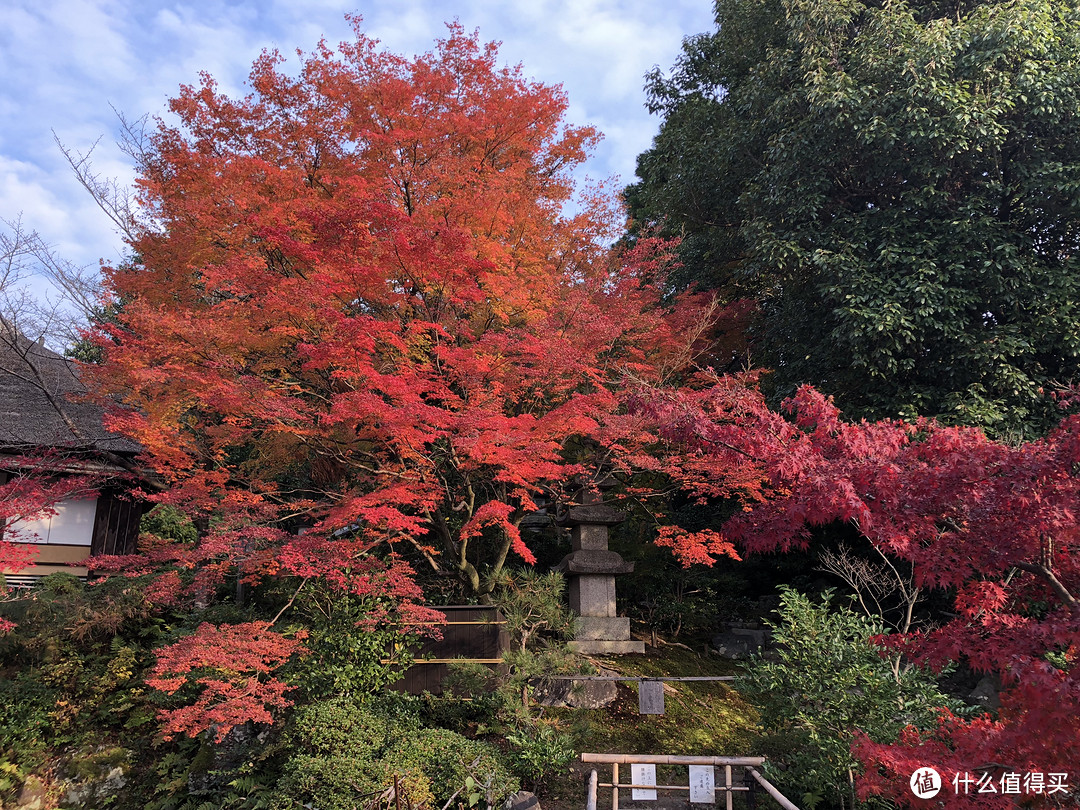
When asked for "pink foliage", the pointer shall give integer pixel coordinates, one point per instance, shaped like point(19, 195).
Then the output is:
point(995, 522)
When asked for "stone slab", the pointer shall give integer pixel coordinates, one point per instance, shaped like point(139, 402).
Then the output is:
point(611, 628)
point(596, 647)
point(577, 694)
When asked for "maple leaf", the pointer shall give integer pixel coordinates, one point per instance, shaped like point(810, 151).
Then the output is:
point(229, 666)
point(992, 521)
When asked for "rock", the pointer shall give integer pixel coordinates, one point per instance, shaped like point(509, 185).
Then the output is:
point(113, 781)
point(576, 694)
point(756, 635)
point(93, 792)
point(986, 694)
point(738, 640)
point(523, 800)
point(32, 795)
point(736, 646)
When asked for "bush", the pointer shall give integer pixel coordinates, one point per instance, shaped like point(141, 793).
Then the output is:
point(448, 759)
point(539, 750)
point(827, 680)
point(345, 752)
point(346, 647)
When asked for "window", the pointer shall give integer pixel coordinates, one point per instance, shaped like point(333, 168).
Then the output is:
point(72, 525)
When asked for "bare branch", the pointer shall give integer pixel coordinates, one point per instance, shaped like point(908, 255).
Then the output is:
point(113, 198)
point(879, 583)
point(59, 319)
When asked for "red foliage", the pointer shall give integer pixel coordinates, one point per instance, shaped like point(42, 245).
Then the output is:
point(229, 666)
point(360, 280)
point(361, 308)
point(995, 522)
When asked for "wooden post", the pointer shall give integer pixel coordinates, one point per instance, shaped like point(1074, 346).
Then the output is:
point(727, 783)
point(590, 795)
point(614, 786)
point(781, 799)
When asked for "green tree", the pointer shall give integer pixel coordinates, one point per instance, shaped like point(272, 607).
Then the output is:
point(897, 184)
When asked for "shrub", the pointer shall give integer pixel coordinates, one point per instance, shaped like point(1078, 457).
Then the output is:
point(343, 750)
point(540, 750)
point(448, 759)
point(825, 680)
point(346, 646)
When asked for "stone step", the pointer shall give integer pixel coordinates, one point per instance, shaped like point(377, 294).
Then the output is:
point(599, 647)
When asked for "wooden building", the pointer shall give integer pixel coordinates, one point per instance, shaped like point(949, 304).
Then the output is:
point(473, 633)
point(41, 412)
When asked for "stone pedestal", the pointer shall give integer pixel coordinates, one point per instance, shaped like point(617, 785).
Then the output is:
point(590, 570)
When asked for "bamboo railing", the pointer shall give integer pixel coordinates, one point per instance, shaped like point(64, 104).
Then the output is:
point(728, 787)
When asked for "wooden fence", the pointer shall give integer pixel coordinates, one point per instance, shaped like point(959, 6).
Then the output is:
point(708, 764)
point(474, 633)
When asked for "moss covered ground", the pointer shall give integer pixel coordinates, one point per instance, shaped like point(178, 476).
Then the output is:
point(700, 718)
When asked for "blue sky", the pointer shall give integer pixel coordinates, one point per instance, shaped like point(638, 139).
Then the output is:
point(67, 63)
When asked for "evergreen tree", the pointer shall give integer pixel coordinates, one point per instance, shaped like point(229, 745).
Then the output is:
point(896, 184)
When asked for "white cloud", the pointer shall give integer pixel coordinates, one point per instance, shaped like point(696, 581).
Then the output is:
point(66, 61)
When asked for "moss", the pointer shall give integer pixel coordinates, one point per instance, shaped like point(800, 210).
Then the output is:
point(699, 718)
point(98, 763)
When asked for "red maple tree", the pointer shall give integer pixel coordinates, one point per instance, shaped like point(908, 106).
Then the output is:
point(230, 666)
point(993, 523)
point(360, 309)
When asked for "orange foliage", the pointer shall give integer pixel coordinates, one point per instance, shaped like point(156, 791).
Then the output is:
point(361, 308)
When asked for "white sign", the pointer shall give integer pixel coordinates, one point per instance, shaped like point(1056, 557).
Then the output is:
point(702, 786)
point(643, 775)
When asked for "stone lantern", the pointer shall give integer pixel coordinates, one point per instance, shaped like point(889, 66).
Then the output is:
point(590, 571)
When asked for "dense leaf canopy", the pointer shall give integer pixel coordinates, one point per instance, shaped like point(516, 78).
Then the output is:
point(361, 309)
point(897, 183)
point(989, 523)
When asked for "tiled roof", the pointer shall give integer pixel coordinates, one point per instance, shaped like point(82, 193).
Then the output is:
point(32, 379)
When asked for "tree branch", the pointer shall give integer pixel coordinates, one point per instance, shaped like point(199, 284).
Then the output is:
point(1055, 584)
